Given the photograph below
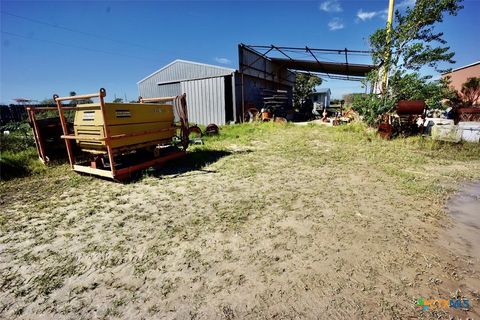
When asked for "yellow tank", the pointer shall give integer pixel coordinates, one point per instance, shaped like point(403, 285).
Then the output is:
point(130, 126)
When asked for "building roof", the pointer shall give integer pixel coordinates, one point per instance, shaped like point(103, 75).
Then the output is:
point(345, 69)
point(323, 90)
point(464, 67)
point(182, 70)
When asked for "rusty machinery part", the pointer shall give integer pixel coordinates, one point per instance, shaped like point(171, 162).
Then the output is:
point(385, 130)
point(411, 107)
point(280, 120)
point(195, 132)
point(212, 129)
point(267, 116)
point(251, 115)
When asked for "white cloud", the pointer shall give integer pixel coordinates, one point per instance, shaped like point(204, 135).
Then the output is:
point(405, 3)
point(367, 15)
point(336, 24)
point(383, 14)
point(331, 6)
point(223, 60)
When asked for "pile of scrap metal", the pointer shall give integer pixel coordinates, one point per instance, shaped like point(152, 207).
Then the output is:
point(275, 108)
point(275, 105)
point(114, 140)
point(405, 121)
point(412, 117)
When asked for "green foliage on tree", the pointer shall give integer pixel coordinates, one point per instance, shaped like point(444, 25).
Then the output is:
point(413, 86)
point(305, 84)
point(414, 41)
point(117, 100)
point(414, 44)
point(470, 92)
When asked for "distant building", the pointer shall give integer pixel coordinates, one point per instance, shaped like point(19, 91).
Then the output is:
point(321, 97)
point(460, 75)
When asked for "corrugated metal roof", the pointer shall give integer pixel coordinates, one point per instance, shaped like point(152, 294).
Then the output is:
point(323, 90)
point(181, 70)
point(350, 69)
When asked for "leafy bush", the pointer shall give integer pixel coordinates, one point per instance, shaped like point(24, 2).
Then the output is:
point(371, 106)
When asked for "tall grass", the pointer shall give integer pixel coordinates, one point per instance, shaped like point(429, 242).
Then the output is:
point(18, 156)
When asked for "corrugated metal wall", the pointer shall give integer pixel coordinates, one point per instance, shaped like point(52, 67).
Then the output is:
point(205, 100)
point(172, 74)
point(150, 89)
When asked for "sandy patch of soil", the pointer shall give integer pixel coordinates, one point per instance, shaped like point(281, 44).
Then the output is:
point(295, 228)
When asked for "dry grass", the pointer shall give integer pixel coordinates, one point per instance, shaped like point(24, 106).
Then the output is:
point(262, 221)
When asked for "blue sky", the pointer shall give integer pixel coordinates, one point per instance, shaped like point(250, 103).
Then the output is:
point(61, 46)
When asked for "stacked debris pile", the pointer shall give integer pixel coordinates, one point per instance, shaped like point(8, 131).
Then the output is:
point(276, 102)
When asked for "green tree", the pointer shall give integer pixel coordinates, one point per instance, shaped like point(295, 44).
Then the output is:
point(470, 92)
point(305, 84)
point(414, 44)
point(117, 100)
point(414, 41)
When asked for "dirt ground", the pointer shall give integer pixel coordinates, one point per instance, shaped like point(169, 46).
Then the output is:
point(260, 223)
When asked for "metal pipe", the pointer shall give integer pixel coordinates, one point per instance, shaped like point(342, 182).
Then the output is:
point(388, 53)
point(313, 49)
point(162, 99)
point(64, 129)
point(111, 159)
point(36, 132)
point(84, 96)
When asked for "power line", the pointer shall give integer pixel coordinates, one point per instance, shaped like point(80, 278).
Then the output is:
point(73, 30)
point(72, 46)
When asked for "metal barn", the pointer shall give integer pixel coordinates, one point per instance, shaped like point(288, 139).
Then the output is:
point(209, 89)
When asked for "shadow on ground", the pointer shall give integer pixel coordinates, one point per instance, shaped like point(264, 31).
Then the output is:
point(195, 160)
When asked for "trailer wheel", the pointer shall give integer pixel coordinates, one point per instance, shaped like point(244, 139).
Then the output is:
point(194, 132)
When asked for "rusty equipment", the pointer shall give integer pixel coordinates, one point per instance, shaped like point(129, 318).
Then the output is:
point(408, 112)
point(212, 129)
point(119, 139)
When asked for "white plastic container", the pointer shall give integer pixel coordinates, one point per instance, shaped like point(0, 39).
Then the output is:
point(430, 122)
point(446, 132)
point(470, 131)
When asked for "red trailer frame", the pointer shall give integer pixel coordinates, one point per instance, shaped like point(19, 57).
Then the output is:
point(37, 133)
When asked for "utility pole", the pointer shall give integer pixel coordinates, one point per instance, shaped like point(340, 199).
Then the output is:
point(389, 49)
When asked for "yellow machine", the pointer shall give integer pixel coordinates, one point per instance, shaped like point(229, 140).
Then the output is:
point(129, 120)
point(122, 138)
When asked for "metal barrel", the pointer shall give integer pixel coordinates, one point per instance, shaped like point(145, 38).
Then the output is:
point(407, 107)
